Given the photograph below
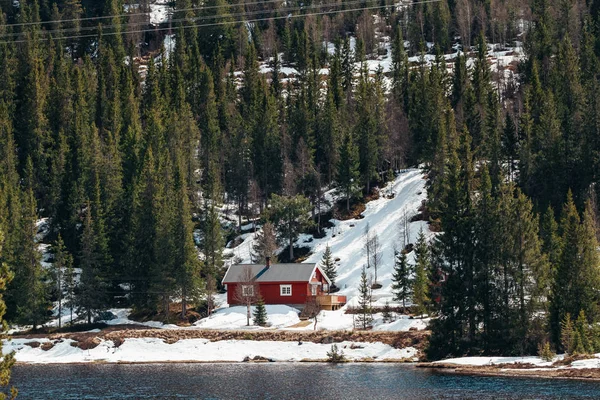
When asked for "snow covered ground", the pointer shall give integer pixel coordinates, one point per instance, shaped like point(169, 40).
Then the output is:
point(384, 217)
point(197, 350)
point(483, 361)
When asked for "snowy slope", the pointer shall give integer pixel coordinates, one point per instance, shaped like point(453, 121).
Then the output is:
point(346, 239)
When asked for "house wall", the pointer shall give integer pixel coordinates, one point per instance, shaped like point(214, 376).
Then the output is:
point(270, 293)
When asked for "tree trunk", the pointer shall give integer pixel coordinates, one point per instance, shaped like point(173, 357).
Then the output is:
point(248, 314)
point(183, 303)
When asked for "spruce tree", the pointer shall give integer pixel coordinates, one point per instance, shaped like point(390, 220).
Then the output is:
point(62, 266)
point(290, 216)
point(259, 316)
point(328, 265)
point(347, 171)
point(402, 281)
point(364, 314)
point(265, 245)
point(420, 290)
point(8, 360)
point(91, 292)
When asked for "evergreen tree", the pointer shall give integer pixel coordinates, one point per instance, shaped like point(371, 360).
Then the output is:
point(290, 215)
point(402, 282)
point(8, 360)
point(91, 289)
point(387, 313)
point(347, 171)
point(259, 316)
point(265, 245)
point(62, 266)
point(328, 265)
point(420, 289)
point(364, 315)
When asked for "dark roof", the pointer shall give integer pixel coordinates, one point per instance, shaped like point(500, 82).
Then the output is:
point(300, 272)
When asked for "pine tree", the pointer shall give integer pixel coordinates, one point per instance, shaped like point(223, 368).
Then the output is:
point(402, 282)
point(328, 265)
point(290, 215)
point(8, 360)
point(567, 334)
point(265, 245)
point(259, 316)
point(91, 289)
point(62, 266)
point(347, 171)
point(386, 314)
point(420, 290)
point(27, 297)
point(364, 312)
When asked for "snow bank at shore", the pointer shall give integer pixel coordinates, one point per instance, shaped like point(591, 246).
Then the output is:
point(484, 361)
point(141, 350)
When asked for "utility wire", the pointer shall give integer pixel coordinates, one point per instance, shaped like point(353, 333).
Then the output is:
point(223, 22)
point(138, 14)
point(196, 19)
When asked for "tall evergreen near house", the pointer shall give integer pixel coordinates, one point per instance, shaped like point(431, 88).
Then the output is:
point(265, 245)
point(328, 265)
point(187, 266)
point(290, 216)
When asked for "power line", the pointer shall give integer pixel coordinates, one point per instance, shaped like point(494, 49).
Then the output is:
point(224, 22)
point(201, 18)
point(138, 14)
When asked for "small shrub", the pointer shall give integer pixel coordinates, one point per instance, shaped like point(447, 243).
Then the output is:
point(545, 353)
point(335, 355)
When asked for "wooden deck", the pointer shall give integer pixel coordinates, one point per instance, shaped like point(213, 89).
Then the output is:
point(331, 301)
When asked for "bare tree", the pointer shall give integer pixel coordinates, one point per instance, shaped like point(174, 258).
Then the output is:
point(247, 291)
point(375, 256)
point(464, 18)
point(368, 244)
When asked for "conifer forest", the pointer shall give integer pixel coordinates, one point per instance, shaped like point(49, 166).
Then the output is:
point(122, 140)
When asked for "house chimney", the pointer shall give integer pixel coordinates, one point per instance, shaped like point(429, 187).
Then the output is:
point(268, 262)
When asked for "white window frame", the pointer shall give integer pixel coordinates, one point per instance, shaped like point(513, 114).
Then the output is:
point(247, 290)
point(285, 290)
point(313, 290)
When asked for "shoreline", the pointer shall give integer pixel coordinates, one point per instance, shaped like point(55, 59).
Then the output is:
point(505, 370)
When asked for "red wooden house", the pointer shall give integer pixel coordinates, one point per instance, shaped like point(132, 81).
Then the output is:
point(288, 284)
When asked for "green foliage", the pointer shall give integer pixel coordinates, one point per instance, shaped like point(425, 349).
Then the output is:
point(387, 313)
point(567, 334)
point(335, 355)
point(402, 282)
point(328, 265)
point(364, 316)
point(545, 353)
point(420, 284)
point(8, 360)
point(259, 315)
point(290, 215)
point(265, 245)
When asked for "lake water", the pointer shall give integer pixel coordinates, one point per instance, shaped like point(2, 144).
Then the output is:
point(279, 381)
